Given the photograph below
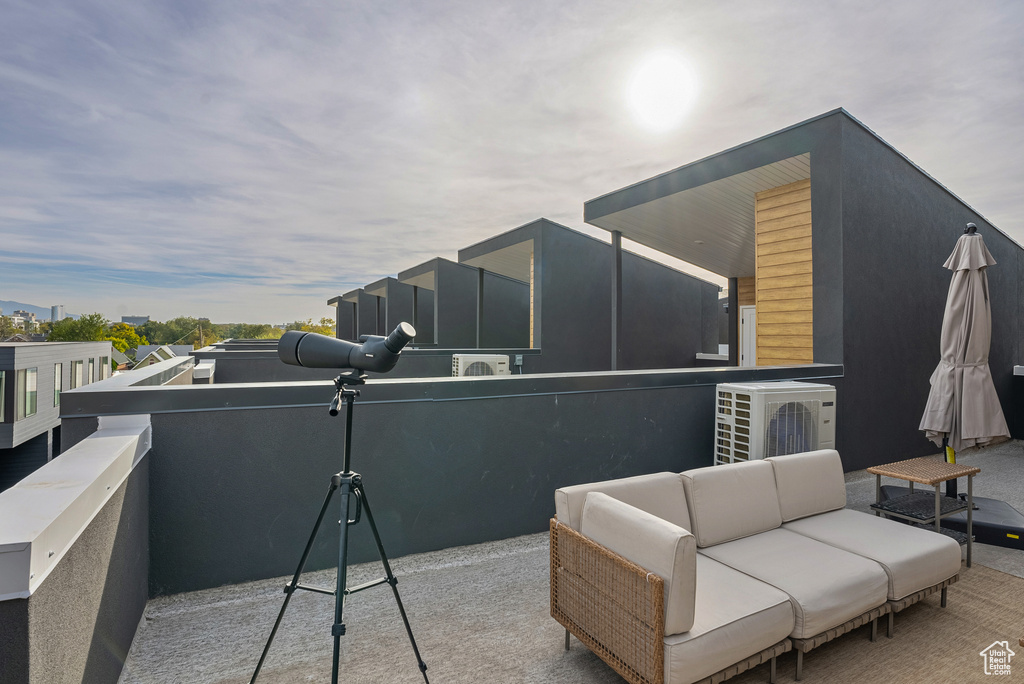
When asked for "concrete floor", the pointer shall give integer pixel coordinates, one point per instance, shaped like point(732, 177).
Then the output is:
point(479, 613)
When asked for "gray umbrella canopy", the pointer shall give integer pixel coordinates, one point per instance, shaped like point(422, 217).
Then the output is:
point(963, 404)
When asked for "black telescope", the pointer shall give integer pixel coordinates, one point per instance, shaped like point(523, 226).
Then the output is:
point(375, 353)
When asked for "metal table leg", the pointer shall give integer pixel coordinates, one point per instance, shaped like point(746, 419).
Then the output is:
point(970, 516)
point(938, 509)
point(878, 493)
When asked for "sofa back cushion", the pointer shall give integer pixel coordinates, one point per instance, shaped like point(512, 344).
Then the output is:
point(731, 501)
point(659, 494)
point(809, 483)
point(655, 544)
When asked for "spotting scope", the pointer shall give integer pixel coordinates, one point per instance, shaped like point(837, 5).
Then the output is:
point(374, 353)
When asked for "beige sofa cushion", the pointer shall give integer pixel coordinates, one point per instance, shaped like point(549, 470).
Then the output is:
point(735, 617)
point(660, 494)
point(656, 545)
point(913, 559)
point(809, 483)
point(731, 501)
point(826, 585)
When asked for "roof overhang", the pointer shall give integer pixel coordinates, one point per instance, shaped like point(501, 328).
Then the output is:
point(710, 225)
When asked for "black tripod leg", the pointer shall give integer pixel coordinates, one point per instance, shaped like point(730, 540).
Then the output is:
point(338, 628)
point(290, 589)
point(392, 580)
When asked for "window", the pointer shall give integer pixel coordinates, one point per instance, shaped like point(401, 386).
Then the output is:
point(25, 393)
point(76, 373)
point(91, 377)
point(3, 416)
point(58, 382)
point(104, 367)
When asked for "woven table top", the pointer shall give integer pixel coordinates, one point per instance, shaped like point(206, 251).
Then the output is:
point(929, 470)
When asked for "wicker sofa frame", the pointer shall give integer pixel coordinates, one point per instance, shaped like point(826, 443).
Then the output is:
point(616, 609)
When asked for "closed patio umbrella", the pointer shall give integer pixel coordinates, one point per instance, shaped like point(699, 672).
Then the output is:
point(963, 407)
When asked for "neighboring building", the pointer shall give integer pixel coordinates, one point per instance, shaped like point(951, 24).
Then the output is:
point(155, 355)
point(665, 317)
point(56, 313)
point(26, 315)
point(135, 320)
point(175, 349)
point(32, 377)
point(868, 291)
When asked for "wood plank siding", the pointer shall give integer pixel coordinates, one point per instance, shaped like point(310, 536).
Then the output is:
point(745, 293)
point(784, 298)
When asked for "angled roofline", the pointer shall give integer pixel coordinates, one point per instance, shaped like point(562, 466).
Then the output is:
point(840, 111)
point(724, 152)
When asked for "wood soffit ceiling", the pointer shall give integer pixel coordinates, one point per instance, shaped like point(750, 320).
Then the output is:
point(720, 214)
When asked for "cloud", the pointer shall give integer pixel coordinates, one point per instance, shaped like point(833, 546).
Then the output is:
point(247, 161)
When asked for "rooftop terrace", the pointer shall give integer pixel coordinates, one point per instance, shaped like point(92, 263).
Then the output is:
point(480, 614)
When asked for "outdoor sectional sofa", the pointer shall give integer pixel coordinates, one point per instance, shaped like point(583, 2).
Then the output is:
point(699, 576)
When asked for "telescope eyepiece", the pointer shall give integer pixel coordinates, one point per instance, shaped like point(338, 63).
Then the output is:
point(400, 337)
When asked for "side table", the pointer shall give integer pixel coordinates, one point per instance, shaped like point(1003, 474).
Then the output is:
point(919, 506)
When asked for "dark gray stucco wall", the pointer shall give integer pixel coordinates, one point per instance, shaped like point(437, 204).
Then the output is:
point(24, 459)
point(398, 305)
point(505, 320)
point(455, 310)
point(668, 317)
point(79, 624)
point(345, 321)
point(664, 324)
point(424, 318)
point(575, 295)
point(899, 227)
point(468, 461)
point(366, 313)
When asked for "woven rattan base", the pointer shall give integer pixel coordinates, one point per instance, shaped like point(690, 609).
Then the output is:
point(805, 645)
point(764, 656)
point(897, 606)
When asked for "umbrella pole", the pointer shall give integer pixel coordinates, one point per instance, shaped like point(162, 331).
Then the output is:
point(950, 456)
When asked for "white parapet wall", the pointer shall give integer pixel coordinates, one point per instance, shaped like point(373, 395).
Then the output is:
point(43, 515)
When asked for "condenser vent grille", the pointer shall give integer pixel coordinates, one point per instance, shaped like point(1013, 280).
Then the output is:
point(479, 368)
point(792, 427)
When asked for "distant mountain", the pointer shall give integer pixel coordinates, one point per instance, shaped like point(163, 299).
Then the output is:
point(42, 312)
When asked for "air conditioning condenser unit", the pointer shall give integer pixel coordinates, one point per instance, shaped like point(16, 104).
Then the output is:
point(758, 420)
point(464, 365)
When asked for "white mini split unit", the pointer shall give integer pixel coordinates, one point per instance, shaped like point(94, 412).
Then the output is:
point(758, 420)
point(465, 365)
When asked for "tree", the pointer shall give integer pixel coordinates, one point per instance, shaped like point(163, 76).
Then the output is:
point(252, 331)
point(324, 327)
point(124, 337)
point(7, 327)
point(182, 330)
point(88, 328)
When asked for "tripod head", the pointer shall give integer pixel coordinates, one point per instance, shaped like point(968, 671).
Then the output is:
point(353, 377)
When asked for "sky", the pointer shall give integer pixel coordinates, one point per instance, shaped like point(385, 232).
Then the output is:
point(247, 161)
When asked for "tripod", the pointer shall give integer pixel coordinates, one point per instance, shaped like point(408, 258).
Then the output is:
point(351, 486)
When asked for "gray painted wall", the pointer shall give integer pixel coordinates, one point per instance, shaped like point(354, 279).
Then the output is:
point(424, 320)
point(505, 313)
point(344, 319)
point(79, 624)
point(663, 309)
point(25, 459)
point(445, 462)
point(899, 227)
point(455, 310)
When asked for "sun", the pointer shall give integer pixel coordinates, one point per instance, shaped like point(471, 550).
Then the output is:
point(661, 91)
